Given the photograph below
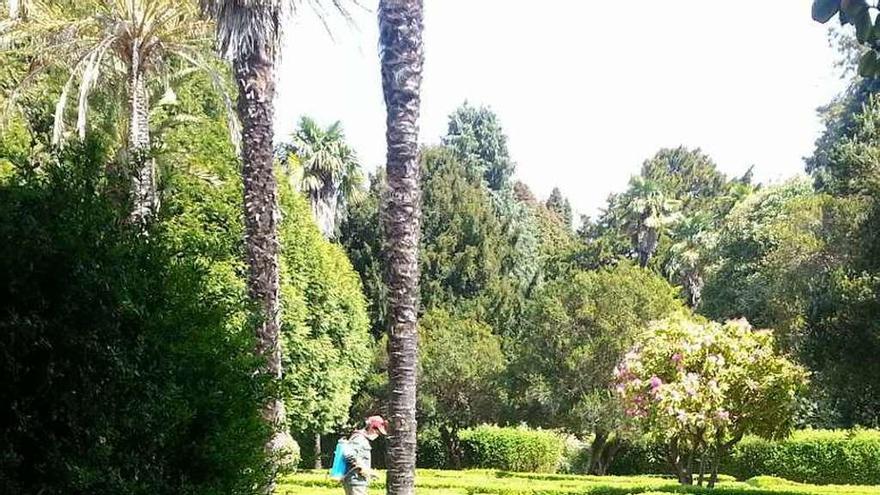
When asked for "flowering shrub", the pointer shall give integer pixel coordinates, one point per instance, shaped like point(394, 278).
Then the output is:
point(698, 387)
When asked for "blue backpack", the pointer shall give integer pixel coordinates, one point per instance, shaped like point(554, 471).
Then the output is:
point(340, 467)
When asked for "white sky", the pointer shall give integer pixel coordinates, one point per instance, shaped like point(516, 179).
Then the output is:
point(585, 89)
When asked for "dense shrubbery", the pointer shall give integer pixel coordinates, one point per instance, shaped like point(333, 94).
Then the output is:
point(640, 457)
point(820, 456)
point(323, 315)
point(512, 449)
point(127, 367)
point(808, 456)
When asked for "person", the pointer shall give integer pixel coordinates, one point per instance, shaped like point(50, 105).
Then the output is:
point(358, 456)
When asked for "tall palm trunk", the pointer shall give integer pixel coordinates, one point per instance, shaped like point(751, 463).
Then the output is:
point(143, 183)
point(255, 77)
point(400, 33)
point(325, 208)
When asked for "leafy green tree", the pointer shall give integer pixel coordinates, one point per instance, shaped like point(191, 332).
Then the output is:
point(127, 364)
point(460, 371)
point(768, 260)
point(324, 325)
point(559, 205)
point(324, 321)
point(688, 176)
point(842, 336)
point(325, 169)
point(576, 331)
point(362, 236)
point(469, 256)
point(462, 239)
point(129, 49)
point(700, 387)
point(479, 142)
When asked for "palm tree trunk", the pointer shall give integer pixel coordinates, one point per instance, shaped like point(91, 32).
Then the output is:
point(400, 36)
point(254, 75)
point(143, 182)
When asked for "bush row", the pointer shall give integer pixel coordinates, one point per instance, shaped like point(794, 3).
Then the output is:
point(808, 456)
point(812, 456)
point(512, 449)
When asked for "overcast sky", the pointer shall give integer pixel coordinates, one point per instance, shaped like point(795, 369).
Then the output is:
point(586, 90)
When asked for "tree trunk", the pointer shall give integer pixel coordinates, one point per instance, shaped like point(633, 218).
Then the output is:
point(608, 454)
point(400, 36)
point(596, 449)
point(675, 460)
point(702, 475)
point(647, 246)
point(694, 284)
point(143, 181)
point(318, 451)
point(713, 477)
point(254, 75)
point(449, 435)
point(325, 207)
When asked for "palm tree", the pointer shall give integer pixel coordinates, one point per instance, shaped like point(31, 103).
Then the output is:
point(249, 33)
point(102, 42)
point(647, 213)
point(686, 255)
point(400, 38)
point(325, 169)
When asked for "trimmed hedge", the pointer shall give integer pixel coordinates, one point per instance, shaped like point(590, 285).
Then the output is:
point(488, 482)
point(807, 456)
point(812, 456)
point(512, 449)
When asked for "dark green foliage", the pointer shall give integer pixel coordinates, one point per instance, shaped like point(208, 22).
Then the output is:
point(768, 258)
point(820, 457)
point(843, 336)
point(324, 319)
point(576, 333)
point(431, 451)
point(560, 206)
point(460, 371)
point(858, 13)
point(127, 367)
point(512, 449)
point(363, 239)
point(640, 456)
point(462, 246)
point(476, 138)
point(474, 255)
point(689, 176)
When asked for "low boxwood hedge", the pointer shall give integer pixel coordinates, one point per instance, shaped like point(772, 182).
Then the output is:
point(512, 449)
point(812, 456)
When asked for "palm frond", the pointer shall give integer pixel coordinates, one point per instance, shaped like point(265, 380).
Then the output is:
point(245, 26)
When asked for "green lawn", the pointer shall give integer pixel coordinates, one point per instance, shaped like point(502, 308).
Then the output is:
point(488, 482)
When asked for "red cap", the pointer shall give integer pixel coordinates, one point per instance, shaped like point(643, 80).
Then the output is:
point(378, 423)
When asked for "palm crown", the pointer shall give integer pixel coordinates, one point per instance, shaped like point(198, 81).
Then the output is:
point(325, 169)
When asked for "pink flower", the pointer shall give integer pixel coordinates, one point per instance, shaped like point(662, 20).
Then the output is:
point(656, 382)
point(723, 415)
point(676, 358)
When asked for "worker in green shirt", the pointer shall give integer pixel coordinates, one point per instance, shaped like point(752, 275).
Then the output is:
point(358, 458)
